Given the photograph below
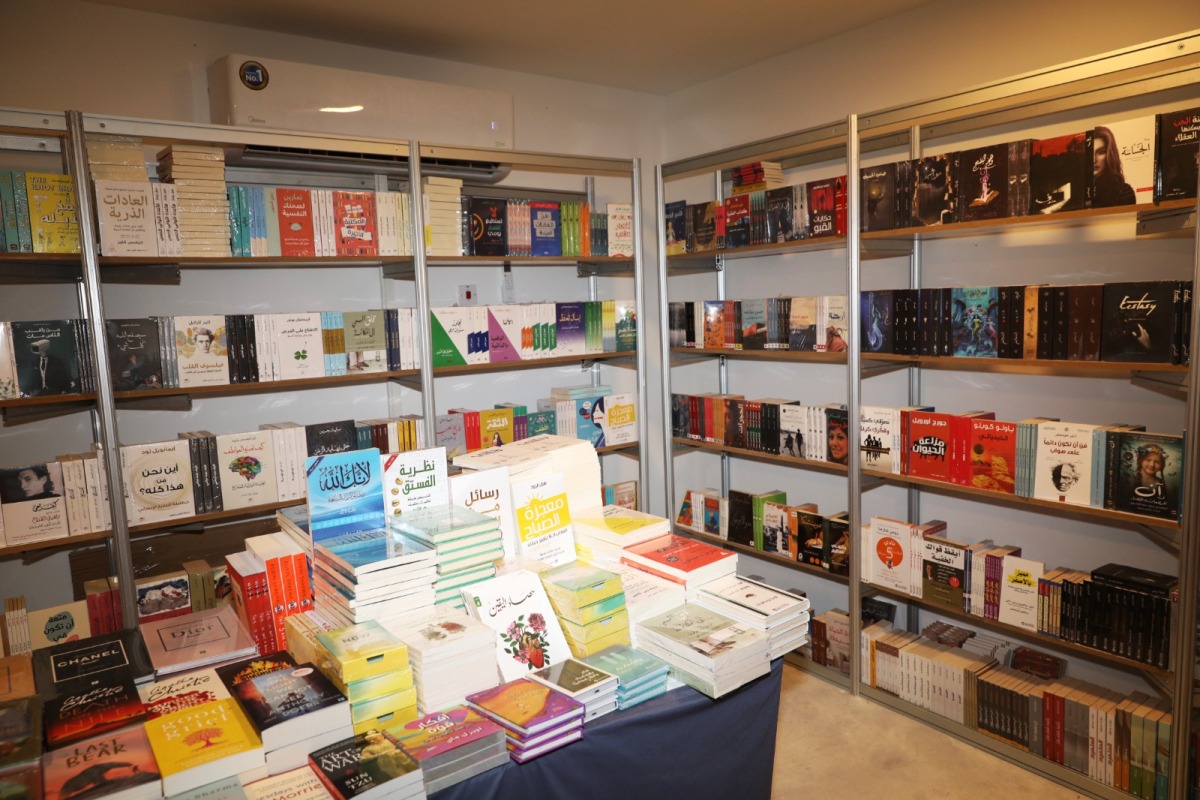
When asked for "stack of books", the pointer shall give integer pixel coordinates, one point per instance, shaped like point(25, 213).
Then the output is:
point(18, 672)
point(641, 676)
point(536, 718)
point(601, 534)
point(21, 746)
point(781, 615)
point(705, 650)
point(199, 639)
point(468, 545)
point(590, 604)
point(452, 745)
point(300, 782)
point(83, 763)
point(373, 575)
point(301, 631)
point(593, 687)
point(193, 746)
point(646, 595)
point(368, 765)
point(201, 200)
point(91, 662)
point(443, 216)
point(515, 606)
point(452, 655)
point(294, 711)
point(685, 561)
point(370, 666)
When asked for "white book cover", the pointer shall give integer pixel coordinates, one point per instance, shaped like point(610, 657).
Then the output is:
point(1019, 592)
point(91, 475)
point(297, 339)
point(201, 351)
point(385, 223)
point(617, 417)
point(889, 549)
point(832, 319)
point(755, 597)
point(414, 480)
point(168, 695)
point(478, 326)
point(68, 622)
point(515, 605)
point(1063, 463)
point(877, 438)
point(125, 216)
point(543, 519)
point(488, 491)
point(157, 481)
point(166, 219)
point(8, 364)
point(620, 229)
point(245, 463)
point(297, 783)
point(32, 503)
point(1123, 162)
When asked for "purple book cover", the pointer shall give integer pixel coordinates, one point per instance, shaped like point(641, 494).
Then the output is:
point(525, 706)
point(569, 324)
point(501, 321)
point(443, 731)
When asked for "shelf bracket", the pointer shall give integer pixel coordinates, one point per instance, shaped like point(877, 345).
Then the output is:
point(40, 273)
point(1163, 538)
point(408, 381)
point(20, 415)
point(171, 402)
point(1170, 383)
point(680, 447)
point(592, 269)
point(629, 361)
point(682, 359)
point(398, 270)
point(1173, 222)
point(872, 368)
point(886, 248)
point(869, 482)
point(156, 274)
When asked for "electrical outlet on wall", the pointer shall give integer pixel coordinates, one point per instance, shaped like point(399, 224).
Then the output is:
point(467, 294)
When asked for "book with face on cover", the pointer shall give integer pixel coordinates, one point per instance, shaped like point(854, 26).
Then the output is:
point(202, 350)
point(516, 606)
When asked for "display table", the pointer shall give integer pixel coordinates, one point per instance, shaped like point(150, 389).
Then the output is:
point(680, 744)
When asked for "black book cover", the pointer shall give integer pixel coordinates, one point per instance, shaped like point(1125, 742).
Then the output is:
point(232, 339)
point(212, 471)
point(273, 698)
point(74, 665)
point(878, 197)
point(735, 422)
point(878, 323)
point(983, 182)
point(1018, 177)
point(821, 208)
point(362, 763)
point(1059, 173)
point(1062, 317)
point(134, 354)
point(681, 422)
point(1083, 325)
point(251, 350)
point(1184, 312)
point(926, 322)
point(903, 192)
point(1139, 322)
point(1145, 474)
point(702, 227)
point(1123, 576)
point(837, 544)
point(47, 357)
point(811, 533)
point(935, 190)
point(1178, 154)
point(76, 714)
point(945, 324)
point(741, 518)
point(324, 438)
point(1045, 331)
point(737, 221)
point(1016, 321)
point(1003, 321)
point(237, 673)
point(779, 215)
point(489, 218)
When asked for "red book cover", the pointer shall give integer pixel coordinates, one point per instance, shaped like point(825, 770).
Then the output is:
point(839, 205)
point(677, 553)
point(296, 237)
point(111, 704)
point(737, 220)
point(992, 455)
point(470, 427)
point(354, 223)
point(822, 208)
point(929, 445)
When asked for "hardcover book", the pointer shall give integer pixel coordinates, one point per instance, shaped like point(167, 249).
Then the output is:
point(46, 357)
point(157, 481)
point(1140, 322)
point(119, 764)
point(1177, 153)
point(201, 351)
point(345, 493)
point(33, 504)
point(1059, 174)
point(134, 354)
point(197, 639)
point(69, 666)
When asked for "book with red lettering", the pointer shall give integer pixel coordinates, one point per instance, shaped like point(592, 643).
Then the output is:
point(354, 223)
point(296, 236)
point(681, 559)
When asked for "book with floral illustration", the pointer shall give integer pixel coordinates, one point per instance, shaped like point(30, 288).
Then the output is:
point(515, 605)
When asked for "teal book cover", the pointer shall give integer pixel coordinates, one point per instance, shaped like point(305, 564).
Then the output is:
point(345, 493)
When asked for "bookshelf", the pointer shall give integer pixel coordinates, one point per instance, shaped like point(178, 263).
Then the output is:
point(1122, 241)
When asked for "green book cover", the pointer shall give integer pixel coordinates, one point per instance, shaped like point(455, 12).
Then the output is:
point(756, 511)
point(626, 326)
point(21, 205)
point(539, 422)
point(8, 207)
point(445, 351)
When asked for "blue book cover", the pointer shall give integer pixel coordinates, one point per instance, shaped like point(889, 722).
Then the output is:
point(974, 323)
point(345, 493)
point(363, 552)
point(587, 426)
point(546, 222)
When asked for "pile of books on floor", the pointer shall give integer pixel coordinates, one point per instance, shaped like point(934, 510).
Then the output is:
point(370, 667)
point(452, 655)
point(683, 560)
point(373, 575)
point(536, 718)
point(781, 615)
point(705, 650)
point(452, 745)
point(593, 687)
point(468, 545)
point(602, 533)
point(590, 605)
point(640, 675)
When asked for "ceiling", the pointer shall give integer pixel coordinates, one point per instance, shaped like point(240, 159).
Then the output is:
point(657, 46)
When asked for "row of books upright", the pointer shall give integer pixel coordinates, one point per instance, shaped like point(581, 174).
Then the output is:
point(465, 335)
point(1143, 321)
point(1119, 740)
point(54, 500)
point(517, 228)
point(804, 324)
point(768, 425)
point(598, 416)
point(1115, 608)
point(39, 213)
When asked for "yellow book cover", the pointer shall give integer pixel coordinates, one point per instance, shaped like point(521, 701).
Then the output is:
point(495, 427)
point(585, 649)
point(200, 735)
point(53, 214)
point(363, 651)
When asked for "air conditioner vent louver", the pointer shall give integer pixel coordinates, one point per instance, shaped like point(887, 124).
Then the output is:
point(369, 163)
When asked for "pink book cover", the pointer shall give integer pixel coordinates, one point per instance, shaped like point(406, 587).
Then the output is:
point(502, 321)
point(354, 223)
point(443, 731)
point(296, 236)
point(525, 706)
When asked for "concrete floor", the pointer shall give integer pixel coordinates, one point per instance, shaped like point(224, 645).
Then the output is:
point(830, 744)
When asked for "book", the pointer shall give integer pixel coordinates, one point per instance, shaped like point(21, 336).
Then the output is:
point(108, 705)
point(516, 606)
point(345, 493)
point(1063, 463)
point(299, 782)
point(935, 190)
point(984, 184)
point(245, 464)
point(1121, 154)
point(1059, 174)
point(620, 230)
point(125, 217)
point(1140, 322)
point(415, 480)
point(120, 764)
point(1019, 591)
point(367, 765)
point(525, 707)
point(177, 692)
point(71, 665)
point(297, 342)
point(134, 354)
point(543, 519)
point(1144, 474)
point(46, 357)
point(878, 195)
point(197, 744)
point(16, 677)
point(33, 506)
point(53, 212)
point(974, 326)
point(198, 639)
point(1178, 141)
point(157, 481)
point(66, 622)
point(202, 350)
point(286, 706)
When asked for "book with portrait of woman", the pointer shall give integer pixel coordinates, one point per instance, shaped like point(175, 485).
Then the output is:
point(1121, 157)
point(1147, 474)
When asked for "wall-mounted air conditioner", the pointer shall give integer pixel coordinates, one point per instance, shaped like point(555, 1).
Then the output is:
point(264, 92)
